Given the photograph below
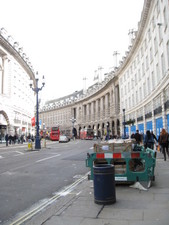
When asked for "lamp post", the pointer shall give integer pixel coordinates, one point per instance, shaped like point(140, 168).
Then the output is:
point(73, 121)
point(107, 138)
point(36, 89)
point(124, 123)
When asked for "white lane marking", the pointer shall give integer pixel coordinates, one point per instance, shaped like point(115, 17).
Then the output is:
point(1, 157)
point(47, 158)
point(19, 153)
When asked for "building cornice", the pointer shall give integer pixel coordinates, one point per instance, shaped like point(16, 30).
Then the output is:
point(11, 50)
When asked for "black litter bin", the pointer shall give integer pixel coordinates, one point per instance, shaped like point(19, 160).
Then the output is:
point(104, 184)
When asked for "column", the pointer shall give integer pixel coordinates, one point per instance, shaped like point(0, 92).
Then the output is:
point(97, 108)
point(101, 107)
point(92, 111)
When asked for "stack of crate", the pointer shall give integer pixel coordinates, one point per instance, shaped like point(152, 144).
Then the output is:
point(114, 146)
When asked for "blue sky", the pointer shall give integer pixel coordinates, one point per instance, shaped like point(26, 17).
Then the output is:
point(68, 40)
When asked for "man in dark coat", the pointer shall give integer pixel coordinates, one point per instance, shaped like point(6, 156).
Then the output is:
point(137, 136)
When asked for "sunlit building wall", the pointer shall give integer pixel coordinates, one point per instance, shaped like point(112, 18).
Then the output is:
point(137, 89)
point(144, 75)
point(16, 98)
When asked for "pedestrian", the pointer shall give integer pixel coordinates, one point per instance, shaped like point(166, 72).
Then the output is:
point(154, 137)
point(132, 136)
point(163, 141)
point(6, 139)
point(148, 140)
point(10, 139)
point(137, 137)
point(22, 139)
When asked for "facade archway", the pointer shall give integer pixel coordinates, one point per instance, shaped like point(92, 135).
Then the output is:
point(4, 128)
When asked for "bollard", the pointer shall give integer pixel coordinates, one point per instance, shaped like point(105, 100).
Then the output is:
point(44, 142)
point(30, 144)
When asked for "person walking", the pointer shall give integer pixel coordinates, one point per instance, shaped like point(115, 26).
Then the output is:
point(148, 140)
point(137, 136)
point(154, 137)
point(163, 141)
point(6, 139)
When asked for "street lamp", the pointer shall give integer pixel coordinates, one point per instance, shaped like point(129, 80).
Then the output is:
point(124, 123)
point(73, 121)
point(36, 89)
point(108, 130)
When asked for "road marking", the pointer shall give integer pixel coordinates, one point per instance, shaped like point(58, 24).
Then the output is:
point(1, 157)
point(47, 158)
point(48, 202)
point(19, 153)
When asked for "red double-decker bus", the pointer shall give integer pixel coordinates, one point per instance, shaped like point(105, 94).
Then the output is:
point(54, 134)
point(87, 134)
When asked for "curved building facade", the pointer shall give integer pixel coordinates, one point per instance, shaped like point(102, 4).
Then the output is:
point(136, 92)
point(16, 97)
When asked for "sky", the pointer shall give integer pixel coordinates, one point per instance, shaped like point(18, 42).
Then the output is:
point(68, 40)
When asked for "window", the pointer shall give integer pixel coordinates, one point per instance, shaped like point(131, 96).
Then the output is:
point(160, 33)
point(143, 71)
point(129, 86)
point(138, 58)
point(168, 52)
point(148, 85)
point(134, 64)
point(163, 68)
point(136, 96)
point(155, 45)
point(145, 44)
point(151, 55)
point(125, 90)
point(153, 23)
point(144, 90)
point(147, 62)
point(129, 102)
point(149, 35)
point(141, 51)
point(140, 93)
point(158, 75)
point(139, 75)
point(165, 19)
point(133, 100)
point(136, 79)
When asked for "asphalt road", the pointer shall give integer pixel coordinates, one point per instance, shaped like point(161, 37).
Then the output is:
point(29, 177)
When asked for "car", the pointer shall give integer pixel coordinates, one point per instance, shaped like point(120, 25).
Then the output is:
point(63, 139)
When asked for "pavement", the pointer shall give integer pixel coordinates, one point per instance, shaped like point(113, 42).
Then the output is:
point(132, 206)
point(75, 205)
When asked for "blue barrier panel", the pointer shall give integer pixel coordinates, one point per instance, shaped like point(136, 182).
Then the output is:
point(133, 129)
point(168, 123)
point(159, 126)
point(149, 126)
point(141, 127)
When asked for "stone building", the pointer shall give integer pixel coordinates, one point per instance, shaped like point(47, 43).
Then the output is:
point(137, 91)
point(16, 97)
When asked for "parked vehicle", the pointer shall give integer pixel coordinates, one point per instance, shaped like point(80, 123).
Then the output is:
point(63, 139)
